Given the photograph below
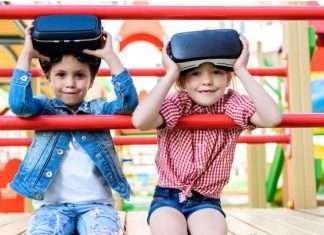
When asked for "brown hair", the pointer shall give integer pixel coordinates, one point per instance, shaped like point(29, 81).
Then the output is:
point(93, 62)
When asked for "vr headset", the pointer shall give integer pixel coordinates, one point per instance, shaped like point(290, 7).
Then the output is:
point(220, 47)
point(55, 35)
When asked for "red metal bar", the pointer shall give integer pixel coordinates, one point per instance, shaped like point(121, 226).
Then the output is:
point(168, 12)
point(91, 122)
point(157, 72)
point(253, 139)
point(15, 141)
point(125, 140)
point(292, 120)
point(269, 72)
point(101, 72)
point(248, 139)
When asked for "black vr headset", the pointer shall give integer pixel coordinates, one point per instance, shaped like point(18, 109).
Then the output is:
point(220, 47)
point(55, 35)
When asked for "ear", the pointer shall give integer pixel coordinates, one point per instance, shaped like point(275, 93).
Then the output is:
point(91, 83)
point(47, 75)
point(229, 78)
point(180, 82)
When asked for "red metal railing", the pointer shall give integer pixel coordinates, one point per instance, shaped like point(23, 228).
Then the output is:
point(160, 12)
point(168, 12)
point(126, 140)
point(158, 72)
point(91, 122)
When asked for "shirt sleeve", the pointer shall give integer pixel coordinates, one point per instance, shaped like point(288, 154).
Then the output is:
point(172, 109)
point(240, 108)
point(21, 99)
point(126, 95)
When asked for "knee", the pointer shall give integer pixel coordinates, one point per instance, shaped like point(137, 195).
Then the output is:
point(100, 221)
point(47, 224)
point(104, 230)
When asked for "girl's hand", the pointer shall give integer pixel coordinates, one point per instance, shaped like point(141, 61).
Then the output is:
point(28, 48)
point(104, 52)
point(242, 61)
point(170, 66)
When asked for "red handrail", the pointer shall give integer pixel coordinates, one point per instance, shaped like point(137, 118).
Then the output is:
point(157, 72)
point(140, 140)
point(91, 122)
point(168, 12)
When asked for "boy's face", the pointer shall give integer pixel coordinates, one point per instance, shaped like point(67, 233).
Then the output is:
point(206, 84)
point(70, 80)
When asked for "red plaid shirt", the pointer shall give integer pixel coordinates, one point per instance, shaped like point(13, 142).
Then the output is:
point(199, 159)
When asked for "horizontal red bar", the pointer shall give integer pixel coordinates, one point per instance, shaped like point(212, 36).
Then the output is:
point(168, 12)
point(91, 122)
point(125, 140)
point(158, 72)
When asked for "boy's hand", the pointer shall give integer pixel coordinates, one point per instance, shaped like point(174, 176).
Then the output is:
point(28, 52)
point(104, 52)
point(28, 48)
point(242, 61)
point(108, 54)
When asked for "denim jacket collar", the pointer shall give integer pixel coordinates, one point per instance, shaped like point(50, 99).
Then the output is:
point(84, 107)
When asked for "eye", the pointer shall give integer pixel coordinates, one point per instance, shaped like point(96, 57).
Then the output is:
point(60, 74)
point(195, 73)
point(218, 72)
point(80, 75)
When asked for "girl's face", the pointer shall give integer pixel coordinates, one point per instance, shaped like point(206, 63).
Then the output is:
point(70, 80)
point(206, 84)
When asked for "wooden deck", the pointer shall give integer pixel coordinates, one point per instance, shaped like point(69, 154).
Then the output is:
point(241, 221)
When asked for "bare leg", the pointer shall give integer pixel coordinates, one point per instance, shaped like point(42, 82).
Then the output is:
point(207, 222)
point(167, 221)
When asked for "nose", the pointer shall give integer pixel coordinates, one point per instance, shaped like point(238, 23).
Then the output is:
point(206, 79)
point(70, 82)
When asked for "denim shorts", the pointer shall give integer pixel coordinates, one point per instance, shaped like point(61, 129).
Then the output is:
point(170, 197)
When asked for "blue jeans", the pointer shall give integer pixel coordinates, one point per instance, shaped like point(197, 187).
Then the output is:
point(67, 218)
point(170, 197)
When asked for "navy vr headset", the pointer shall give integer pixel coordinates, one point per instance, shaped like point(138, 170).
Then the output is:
point(220, 47)
point(55, 35)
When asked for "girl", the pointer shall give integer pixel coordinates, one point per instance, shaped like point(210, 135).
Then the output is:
point(69, 174)
point(194, 165)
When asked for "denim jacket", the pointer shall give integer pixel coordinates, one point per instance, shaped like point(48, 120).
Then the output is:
point(44, 156)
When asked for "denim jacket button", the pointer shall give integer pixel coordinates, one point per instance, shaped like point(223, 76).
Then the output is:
point(83, 138)
point(23, 78)
point(98, 155)
point(60, 151)
point(48, 174)
point(39, 196)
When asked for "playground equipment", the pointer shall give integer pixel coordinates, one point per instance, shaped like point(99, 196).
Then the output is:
point(297, 84)
point(316, 49)
point(299, 165)
point(91, 122)
point(10, 201)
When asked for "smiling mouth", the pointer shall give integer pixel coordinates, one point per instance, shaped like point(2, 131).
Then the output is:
point(207, 91)
point(69, 93)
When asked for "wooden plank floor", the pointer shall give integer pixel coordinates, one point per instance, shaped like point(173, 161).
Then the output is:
point(279, 221)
